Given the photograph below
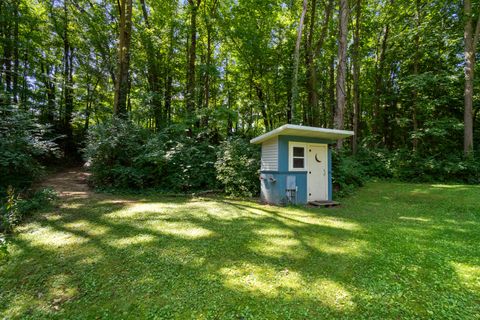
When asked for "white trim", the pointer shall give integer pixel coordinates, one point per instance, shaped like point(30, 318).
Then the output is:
point(291, 145)
point(304, 131)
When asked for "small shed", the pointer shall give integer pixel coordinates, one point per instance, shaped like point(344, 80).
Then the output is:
point(296, 164)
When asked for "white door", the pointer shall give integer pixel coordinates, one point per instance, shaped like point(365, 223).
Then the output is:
point(317, 177)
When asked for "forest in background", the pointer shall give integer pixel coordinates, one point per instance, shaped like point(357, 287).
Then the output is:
point(167, 93)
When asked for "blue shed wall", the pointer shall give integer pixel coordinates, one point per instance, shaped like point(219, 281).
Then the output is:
point(273, 183)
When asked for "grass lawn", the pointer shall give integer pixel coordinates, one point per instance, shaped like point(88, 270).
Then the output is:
point(393, 250)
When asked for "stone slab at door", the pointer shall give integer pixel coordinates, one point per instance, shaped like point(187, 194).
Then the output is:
point(317, 172)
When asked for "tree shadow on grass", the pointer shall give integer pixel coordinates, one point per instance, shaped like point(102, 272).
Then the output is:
point(221, 259)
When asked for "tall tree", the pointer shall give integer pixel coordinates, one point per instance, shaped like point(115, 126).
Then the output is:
point(125, 33)
point(296, 60)
point(312, 50)
point(470, 39)
point(342, 68)
point(192, 56)
point(356, 76)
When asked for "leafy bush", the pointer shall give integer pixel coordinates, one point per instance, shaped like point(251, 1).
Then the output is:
point(23, 143)
point(3, 249)
point(9, 213)
point(14, 208)
point(123, 155)
point(112, 149)
point(348, 173)
point(238, 167)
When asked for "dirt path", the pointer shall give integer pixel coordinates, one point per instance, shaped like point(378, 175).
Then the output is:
point(69, 183)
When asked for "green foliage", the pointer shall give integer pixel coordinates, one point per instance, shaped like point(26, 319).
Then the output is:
point(23, 143)
point(347, 174)
point(9, 212)
point(14, 208)
point(112, 149)
point(238, 167)
point(122, 155)
point(4, 254)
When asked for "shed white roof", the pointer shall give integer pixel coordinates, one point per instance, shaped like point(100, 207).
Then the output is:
point(303, 131)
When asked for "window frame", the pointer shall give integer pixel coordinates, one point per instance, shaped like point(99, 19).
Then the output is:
point(292, 145)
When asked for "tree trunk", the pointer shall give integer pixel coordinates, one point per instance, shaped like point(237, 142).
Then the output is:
point(415, 73)
point(296, 59)
point(16, 62)
point(67, 84)
point(153, 71)
point(311, 53)
point(356, 77)
point(471, 40)
point(341, 69)
point(123, 66)
point(379, 69)
point(312, 102)
point(331, 92)
point(192, 55)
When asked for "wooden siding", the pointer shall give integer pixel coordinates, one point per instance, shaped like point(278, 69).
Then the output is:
point(270, 155)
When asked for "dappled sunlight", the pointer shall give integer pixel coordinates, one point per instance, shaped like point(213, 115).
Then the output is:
point(323, 221)
point(417, 219)
point(274, 232)
point(128, 241)
point(278, 246)
point(92, 229)
point(140, 210)
point(60, 290)
point(71, 205)
point(49, 237)
point(450, 186)
point(333, 294)
point(468, 274)
point(262, 280)
point(352, 248)
point(214, 257)
point(22, 302)
point(180, 229)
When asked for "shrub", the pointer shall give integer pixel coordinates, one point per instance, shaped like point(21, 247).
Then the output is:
point(189, 164)
point(238, 167)
point(3, 249)
point(14, 208)
point(22, 144)
point(125, 156)
point(10, 215)
point(348, 173)
point(112, 149)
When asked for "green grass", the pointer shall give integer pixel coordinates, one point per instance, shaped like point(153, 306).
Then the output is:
point(393, 250)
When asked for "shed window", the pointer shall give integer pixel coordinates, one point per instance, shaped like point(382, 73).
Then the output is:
point(298, 158)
